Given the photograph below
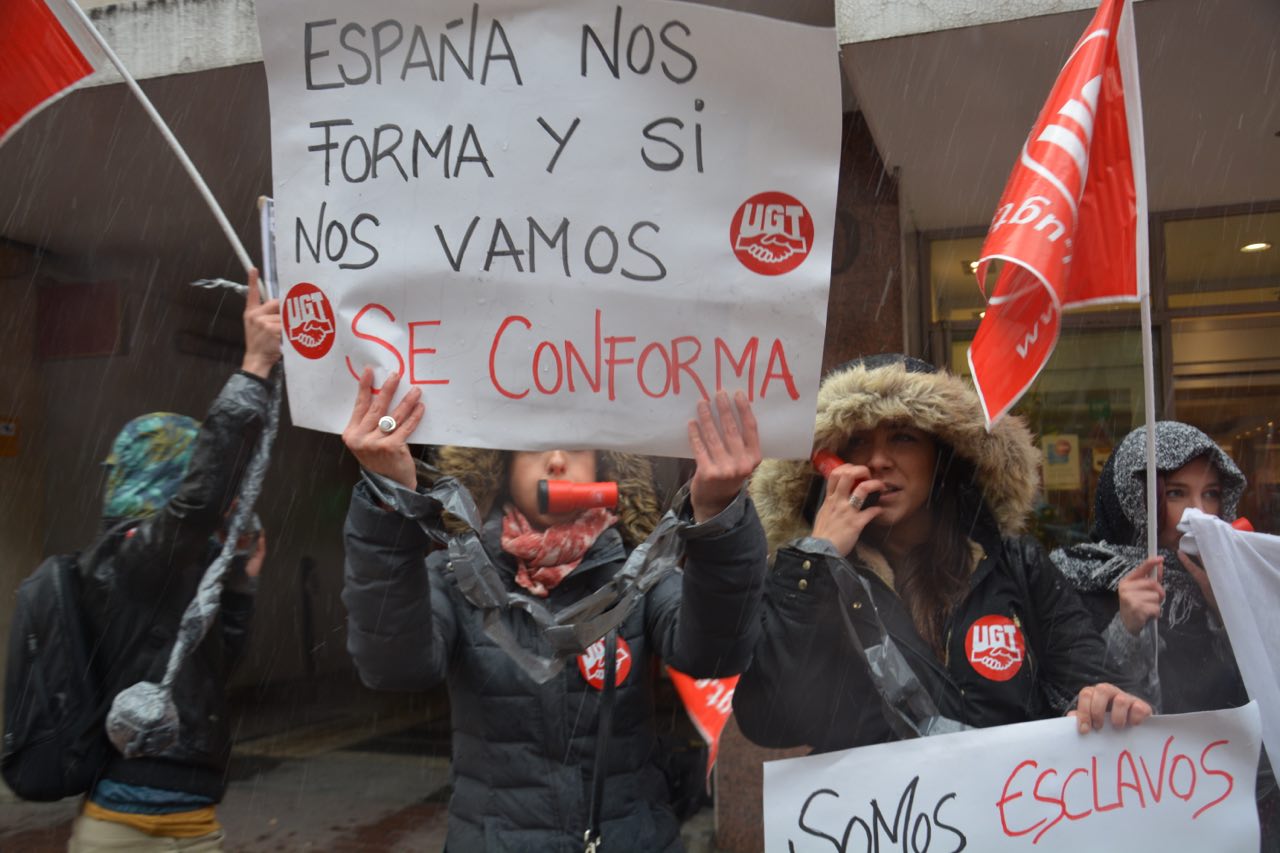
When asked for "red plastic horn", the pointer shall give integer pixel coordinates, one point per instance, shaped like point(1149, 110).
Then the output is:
point(557, 496)
point(826, 462)
point(1242, 524)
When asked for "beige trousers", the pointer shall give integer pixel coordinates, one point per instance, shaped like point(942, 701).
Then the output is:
point(90, 835)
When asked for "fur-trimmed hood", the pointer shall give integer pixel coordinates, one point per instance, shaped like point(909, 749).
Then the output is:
point(484, 473)
point(899, 389)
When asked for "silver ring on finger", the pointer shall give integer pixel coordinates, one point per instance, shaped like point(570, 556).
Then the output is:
point(855, 501)
point(387, 424)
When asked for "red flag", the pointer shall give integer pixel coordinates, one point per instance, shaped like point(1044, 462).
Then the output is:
point(709, 702)
point(1070, 229)
point(43, 53)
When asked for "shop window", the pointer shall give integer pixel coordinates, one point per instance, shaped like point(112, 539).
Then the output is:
point(1230, 262)
point(1085, 401)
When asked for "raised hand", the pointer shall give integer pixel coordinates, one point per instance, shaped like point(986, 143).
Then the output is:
point(725, 454)
point(378, 450)
point(262, 328)
point(1141, 594)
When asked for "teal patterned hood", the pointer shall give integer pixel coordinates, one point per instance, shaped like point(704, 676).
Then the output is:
point(147, 462)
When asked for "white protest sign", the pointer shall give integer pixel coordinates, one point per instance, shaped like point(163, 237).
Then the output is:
point(1183, 782)
point(566, 221)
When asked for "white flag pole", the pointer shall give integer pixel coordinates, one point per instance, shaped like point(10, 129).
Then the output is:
point(168, 137)
point(1127, 55)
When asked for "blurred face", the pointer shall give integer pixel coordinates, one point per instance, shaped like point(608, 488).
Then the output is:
point(528, 467)
point(1195, 485)
point(904, 458)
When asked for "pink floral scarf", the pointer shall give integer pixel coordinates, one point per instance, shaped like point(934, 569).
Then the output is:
point(545, 557)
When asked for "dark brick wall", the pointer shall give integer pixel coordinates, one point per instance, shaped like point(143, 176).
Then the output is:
point(864, 313)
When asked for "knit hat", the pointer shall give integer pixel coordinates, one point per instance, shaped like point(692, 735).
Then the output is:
point(1120, 506)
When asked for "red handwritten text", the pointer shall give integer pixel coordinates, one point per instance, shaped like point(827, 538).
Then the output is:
point(1076, 793)
point(682, 364)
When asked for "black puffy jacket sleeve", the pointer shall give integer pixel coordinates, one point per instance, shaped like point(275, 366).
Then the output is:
point(705, 621)
point(400, 626)
point(1072, 652)
point(806, 686)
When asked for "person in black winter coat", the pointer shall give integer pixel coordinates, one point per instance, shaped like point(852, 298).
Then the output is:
point(170, 484)
point(921, 609)
point(1124, 589)
point(523, 750)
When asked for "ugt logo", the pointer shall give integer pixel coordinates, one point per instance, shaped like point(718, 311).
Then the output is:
point(591, 663)
point(308, 320)
point(995, 647)
point(771, 233)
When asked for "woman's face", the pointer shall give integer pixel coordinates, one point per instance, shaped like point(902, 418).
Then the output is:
point(1194, 485)
point(528, 467)
point(904, 458)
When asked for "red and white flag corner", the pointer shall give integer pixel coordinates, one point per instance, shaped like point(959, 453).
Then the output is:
point(45, 49)
point(1071, 227)
point(709, 702)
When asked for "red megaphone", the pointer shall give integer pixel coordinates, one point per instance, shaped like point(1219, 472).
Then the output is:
point(825, 462)
point(557, 496)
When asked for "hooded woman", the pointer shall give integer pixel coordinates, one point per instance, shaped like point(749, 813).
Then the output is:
point(523, 749)
point(1124, 590)
point(921, 607)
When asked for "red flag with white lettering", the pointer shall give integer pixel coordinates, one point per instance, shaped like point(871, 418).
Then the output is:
point(1071, 227)
point(709, 702)
point(44, 51)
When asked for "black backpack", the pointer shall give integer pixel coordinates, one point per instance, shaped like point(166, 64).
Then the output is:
point(55, 744)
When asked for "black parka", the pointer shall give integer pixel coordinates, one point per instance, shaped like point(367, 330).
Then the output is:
point(138, 579)
point(804, 652)
point(522, 751)
point(1018, 645)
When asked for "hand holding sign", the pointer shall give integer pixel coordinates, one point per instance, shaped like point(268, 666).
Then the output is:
point(1097, 701)
point(381, 446)
point(261, 331)
point(725, 454)
point(1141, 594)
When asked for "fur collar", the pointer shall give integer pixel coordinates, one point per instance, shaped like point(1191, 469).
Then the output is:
point(858, 396)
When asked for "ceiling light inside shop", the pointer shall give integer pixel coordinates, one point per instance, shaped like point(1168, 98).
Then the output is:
point(1255, 247)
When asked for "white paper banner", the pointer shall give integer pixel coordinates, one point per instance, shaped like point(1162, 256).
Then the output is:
point(566, 221)
point(1244, 571)
point(1183, 782)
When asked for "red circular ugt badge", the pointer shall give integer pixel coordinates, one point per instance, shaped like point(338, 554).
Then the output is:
point(591, 664)
point(771, 233)
point(308, 320)
point(995, 647)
